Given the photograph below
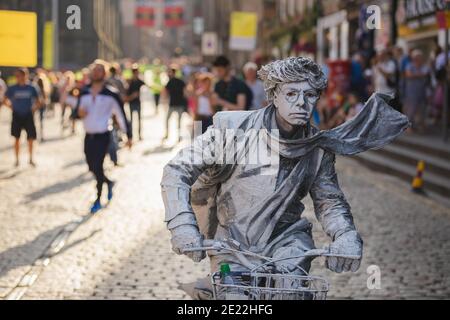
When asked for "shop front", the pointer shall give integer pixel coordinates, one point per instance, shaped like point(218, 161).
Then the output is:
point(333, 37)
point(418, 27)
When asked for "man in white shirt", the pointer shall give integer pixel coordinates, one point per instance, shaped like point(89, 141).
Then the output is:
point(440, 61)
point(384, 74)
point(96, 106)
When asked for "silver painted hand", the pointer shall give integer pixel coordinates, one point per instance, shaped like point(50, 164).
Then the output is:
point(186, 236)
point(350, 244)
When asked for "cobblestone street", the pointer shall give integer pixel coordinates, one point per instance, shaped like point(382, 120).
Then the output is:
point(50, 248)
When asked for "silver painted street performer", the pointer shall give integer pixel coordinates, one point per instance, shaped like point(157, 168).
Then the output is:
point(208, 198)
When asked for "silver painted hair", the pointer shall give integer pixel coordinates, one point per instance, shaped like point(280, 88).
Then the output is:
point(295, 69)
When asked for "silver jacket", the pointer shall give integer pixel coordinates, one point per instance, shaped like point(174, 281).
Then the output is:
point(257, 208)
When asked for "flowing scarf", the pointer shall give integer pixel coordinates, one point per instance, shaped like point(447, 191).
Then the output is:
point(374, 127)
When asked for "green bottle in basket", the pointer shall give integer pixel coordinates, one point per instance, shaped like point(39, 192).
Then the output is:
point(229, 290)
point(225, 274)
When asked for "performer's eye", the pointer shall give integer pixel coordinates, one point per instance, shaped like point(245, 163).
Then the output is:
point(311, 96)
point(291, 94)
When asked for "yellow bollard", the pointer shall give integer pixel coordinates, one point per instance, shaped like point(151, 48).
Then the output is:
point(417, 184)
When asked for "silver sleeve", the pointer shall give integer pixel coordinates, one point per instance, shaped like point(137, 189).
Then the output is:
point(331, 208)
point(181, 173)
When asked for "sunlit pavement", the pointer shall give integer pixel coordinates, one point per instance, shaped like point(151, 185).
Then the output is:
point(50, 248)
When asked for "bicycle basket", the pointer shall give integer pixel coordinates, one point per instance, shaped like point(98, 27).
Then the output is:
point(268, 286)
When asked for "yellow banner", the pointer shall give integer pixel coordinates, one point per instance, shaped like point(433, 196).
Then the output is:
point(47, 48)
point(244, 24)
point(18, 39)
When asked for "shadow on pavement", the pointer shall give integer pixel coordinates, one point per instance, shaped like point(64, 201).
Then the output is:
point(6, 148)
point(76, 243)
point(26, 254)
point(58, 188)
point(50, 140)
point(11, 174)
point(74, 163)
point(54, 139)
point(150, 271)
point(156, 150)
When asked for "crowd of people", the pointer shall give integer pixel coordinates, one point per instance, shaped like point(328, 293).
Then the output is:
point(89, 95)
point(106, 98)
point(414, 80)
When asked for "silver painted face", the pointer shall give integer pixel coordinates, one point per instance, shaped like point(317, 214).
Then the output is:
point(295, 102)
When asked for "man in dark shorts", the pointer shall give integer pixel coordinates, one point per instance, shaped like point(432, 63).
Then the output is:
point(23, 99)
point(232, 94)
point(174, 91)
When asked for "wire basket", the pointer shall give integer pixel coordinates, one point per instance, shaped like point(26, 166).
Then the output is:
point(271, 286)
point(263, 285)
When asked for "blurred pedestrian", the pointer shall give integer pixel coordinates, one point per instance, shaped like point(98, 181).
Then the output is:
point(157, 83)
point(3, 88)
point(71, 102)
point(205, 101)
point(357, 78)
point(352, 105)
point(191, 94)
point(321, 112)
point(96, 105)
point(113, 146)
point(384, 74)
point(54, 92)
point(175, 93)
point(337, 116)
point(406, 60)
point(116, 80)
point(24, 100)
point(417, 77)
point(232, 93)
point(440, 59)
point(134, 98)
point(67, 101)
point(251, 79)
point(437, 104)
point(44, 89)
point(157, 86)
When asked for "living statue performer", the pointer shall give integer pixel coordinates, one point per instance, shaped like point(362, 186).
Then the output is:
point(261, 209)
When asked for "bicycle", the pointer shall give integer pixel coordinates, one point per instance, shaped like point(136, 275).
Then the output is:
point(261, 282)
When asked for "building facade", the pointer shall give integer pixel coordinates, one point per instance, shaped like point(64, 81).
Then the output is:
point(43, 10)
point(217, 18)
point(99, 36)
point(417, 25)
point(294, 34)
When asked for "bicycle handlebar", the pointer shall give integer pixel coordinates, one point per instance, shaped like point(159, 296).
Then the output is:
point(209, 245)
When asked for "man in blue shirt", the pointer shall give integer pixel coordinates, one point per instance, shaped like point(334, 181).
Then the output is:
point(24, 100)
